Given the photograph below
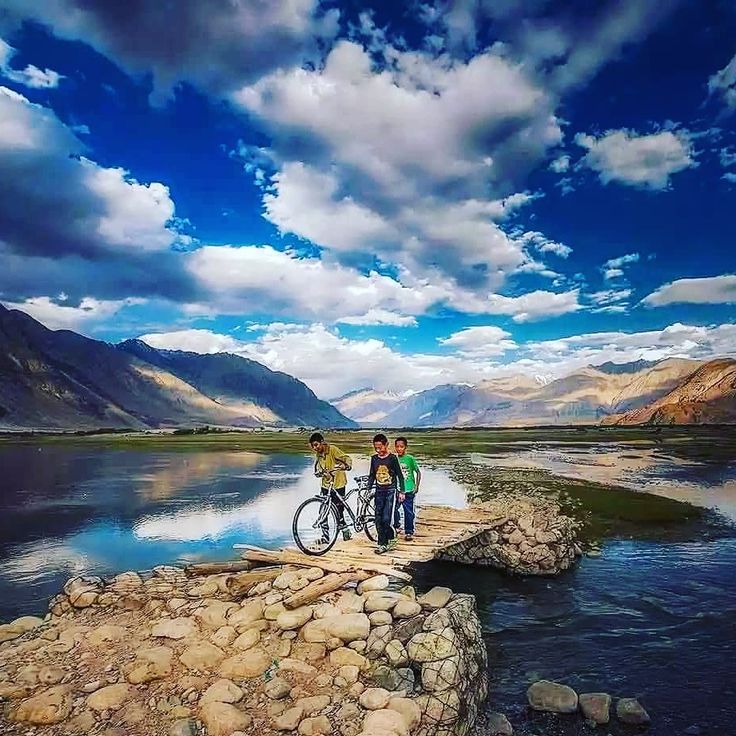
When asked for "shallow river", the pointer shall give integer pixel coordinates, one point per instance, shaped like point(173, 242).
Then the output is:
point(653, 620)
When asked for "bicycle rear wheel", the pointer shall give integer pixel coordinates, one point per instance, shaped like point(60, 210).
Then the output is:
point(315, 526)
point(369, 520)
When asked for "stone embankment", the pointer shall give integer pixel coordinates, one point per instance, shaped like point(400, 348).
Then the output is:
point(533, 537)
point(270, 651)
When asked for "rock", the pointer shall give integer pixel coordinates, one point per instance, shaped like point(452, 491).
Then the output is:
point(109, 698)
point(408, 709)
point(277, 688)
point(222, 691)
point(175, 628)
point(83, 590)
point(222, 719)
point(350, 602)
point(406, 628)
point(348, 674)
point(252, 610)
point(437, 620)
point(377, 582)
point(377, 641)
point(215, 614)
point(314, 704)
point(374, 698)
point(382, 600)
point(202, 656)
point(294, 619)
point(327, 610)
point(386, 721)
point(81, 724)
point(498, 725)
point(381, 618)
point(183, 727)
point(150, 664)
point(106, 633)
point(396, 653)
point(315, 631)
point(595, 707)
point(309, 652)
point(428, 646)
point(630, 711)
point(92, 686)
point(552, 697)
point(296, 665)
point(441, 674)
point(272, 612)
point(406, 609)
point(359, 645)
point(314, 726)
point(224, 637)
point(252, 663)
point(50, 675)
point(46, 708)
point(349, 626)
point(440, 708)
point(437, 597)
point(249, 638)
point(288, 720)
point(343, 656)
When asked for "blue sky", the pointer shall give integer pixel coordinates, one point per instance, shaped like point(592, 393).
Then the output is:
point(360, 194)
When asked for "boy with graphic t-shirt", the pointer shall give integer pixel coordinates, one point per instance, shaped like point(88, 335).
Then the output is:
point(386, 475)
point(412, 479)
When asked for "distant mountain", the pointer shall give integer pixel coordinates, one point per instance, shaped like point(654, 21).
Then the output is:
point(583, 397)
point(367, 406)
point(706, 396)
point(62, 380)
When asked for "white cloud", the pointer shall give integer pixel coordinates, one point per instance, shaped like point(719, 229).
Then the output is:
point(723, 84)
point(533, 306)
point(486, 341)
point(614, 267)
point(31, 76)
point(194, 341)
point(560, 165)
point(709, 290)
point(610, 300)
point(379, 316)
point(60, 316)
point(628, 157)
point(544, 245)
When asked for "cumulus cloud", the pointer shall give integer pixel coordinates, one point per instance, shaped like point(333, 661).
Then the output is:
point(710, 290)
point(646, 161)
point(561, 164)
point(213, 45)
point(613, 268)
point(61, 213)
point(723, 84)
point(357, 362)
point(30, 76)
point(57, 315)
point(486, 341)
point(535, 305)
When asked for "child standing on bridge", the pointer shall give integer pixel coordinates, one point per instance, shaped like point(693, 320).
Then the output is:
point(386, 474)
point(412, 479)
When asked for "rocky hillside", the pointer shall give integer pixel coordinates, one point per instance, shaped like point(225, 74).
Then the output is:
point(583, 397)
point(706, 396)
point(367, 406)
point(62, 380)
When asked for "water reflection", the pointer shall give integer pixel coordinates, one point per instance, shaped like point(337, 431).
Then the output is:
point(68, 511)
point(642, 469)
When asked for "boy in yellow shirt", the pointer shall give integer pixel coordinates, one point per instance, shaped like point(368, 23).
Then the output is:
point(332, 461)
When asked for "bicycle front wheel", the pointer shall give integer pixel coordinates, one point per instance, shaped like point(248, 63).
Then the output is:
point(369, 520)
point(315, 526)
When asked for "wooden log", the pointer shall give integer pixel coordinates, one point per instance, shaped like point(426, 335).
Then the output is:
point(239, 585)
point(324, 585)
point(217, 568)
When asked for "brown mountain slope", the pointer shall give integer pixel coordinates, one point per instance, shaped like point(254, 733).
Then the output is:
point(706, 396)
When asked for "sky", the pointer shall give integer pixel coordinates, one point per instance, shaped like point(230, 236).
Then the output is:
point(371, 194)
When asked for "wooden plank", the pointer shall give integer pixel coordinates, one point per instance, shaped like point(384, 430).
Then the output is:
point(218, 568)
point(239, 585)
point(320, 587)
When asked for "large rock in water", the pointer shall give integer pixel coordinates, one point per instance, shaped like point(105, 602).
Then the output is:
point(631, 711)
point(596, 707)
point(552, 697)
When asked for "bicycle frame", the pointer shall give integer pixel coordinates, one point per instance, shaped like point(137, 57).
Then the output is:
point(357, 521)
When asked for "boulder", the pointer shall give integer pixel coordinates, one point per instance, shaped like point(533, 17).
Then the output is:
point(396, 653)
point(202, 656)
point(408, 709)
point(552, 697)
point(437, 597)
point(428, 646)
point(374, 698)
point(315, 631)
point(317, 725)
point(46, 708)
point(248, 639)
point(314, 704)
point(377, 582)
point(595, 707)
point(349, 626)
point(150, 664)
point(215, 614)
point(105, 633)
point(498, 725)
point(50, 675)
point(441, 674)
point(343, 656)
point(288, 720)
point(406, 609)
point(385, 721)
point(222, 691)
point(349, 602)
point(382, 600)
point(175, 628)
point(381, 618)
point(277, 688)
point(294, 619)
point(631, 711)
point(109, 698)
point(248, 665)
point(224, 637)
point(251, 610)
point(223, 719)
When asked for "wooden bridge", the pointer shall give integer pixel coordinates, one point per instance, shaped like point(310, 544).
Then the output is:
point(438, 527)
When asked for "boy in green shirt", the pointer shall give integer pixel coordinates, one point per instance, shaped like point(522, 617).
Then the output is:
point(412, 479)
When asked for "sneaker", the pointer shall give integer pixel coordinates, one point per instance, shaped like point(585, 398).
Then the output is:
point(392, 544)
point(381, 549)
point(346, 535)
point(409, 537)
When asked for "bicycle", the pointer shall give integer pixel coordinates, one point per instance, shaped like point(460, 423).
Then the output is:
point(316, 523)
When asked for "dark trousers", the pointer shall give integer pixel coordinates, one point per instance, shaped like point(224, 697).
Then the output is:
point(338, 498)
point(408, 506)
point(385, 501)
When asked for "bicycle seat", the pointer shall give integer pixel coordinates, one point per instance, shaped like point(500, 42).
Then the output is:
point(362, 481)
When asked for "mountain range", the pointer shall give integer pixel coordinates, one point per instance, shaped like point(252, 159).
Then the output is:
point(57, 379)
point(674, 390)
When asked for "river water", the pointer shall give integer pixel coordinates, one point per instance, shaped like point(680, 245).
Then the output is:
point(656, 620)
